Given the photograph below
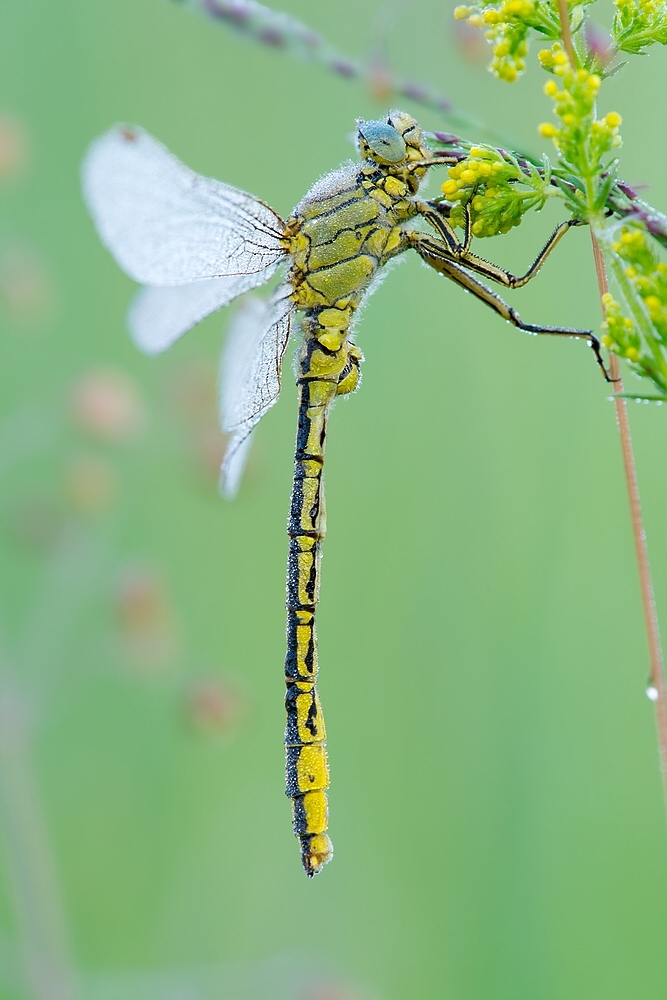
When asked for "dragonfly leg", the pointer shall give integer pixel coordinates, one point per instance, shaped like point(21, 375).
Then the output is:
point(453, 269)
point(460, 250)
point(505, 277)
point(431, 213)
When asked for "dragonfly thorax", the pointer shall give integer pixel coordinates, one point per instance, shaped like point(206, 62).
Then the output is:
point(350, 222)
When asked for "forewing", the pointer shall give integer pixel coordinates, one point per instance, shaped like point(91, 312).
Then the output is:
point(159, 315)
point(166, 225)
point(250, 375)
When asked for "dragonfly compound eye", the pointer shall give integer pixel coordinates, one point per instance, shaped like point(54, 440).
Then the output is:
point(380, 142)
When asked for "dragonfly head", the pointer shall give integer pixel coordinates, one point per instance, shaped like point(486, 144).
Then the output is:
point(395, 142)
point(409, 131)
point(380, 141)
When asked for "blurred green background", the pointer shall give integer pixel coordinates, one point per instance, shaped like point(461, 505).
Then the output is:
point(496, 803)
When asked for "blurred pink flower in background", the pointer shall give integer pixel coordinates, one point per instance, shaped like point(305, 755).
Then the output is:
point(599, 42)
point(147, 628)
point(470, 43)
point(331, 990)
point(107, 404)
point(90, 484)
point(13, 145)
point(214, 705)
point(27, 292)
point(196, 399)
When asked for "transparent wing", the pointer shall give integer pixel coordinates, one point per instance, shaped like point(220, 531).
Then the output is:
point(166, 225)
point(159, 315)
point(250, 375)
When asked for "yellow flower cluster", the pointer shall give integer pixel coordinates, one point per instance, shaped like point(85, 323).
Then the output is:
point(619, 332)
point(498, 192)
point(647, 274)
point(639, 23)
point(470, 172)
point(580, 139)
point(647, 277)
point(507, 25)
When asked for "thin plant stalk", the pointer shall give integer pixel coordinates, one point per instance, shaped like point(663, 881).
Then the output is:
point(565, 29)
point(657, 668)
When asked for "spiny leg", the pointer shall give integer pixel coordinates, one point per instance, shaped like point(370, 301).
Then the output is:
point(437, 217)
point(458, 274)
point(460, 251)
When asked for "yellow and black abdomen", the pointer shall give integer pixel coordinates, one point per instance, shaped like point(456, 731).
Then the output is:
point(337, 238)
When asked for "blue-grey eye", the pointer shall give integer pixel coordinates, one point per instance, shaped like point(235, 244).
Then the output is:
point(384, 141)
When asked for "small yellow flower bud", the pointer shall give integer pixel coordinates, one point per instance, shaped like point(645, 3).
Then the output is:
point(613, 119)
point(594, 82)
point(545, 56)
point(460, 13)
point(475, 20)
point(652, 301)
point(477, 228)
point(560, 59)
point(551, 88)
point(491, 17)
point(632, 354)
point(607, 299)
point(547, 130)
point(449, 188)
point(469, 176)
point(607, 341)
point(631, 272)
point(477, 151)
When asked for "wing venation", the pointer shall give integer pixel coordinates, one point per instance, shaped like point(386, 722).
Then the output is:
point(160, 314)
point(167, 225)
point(250, 374)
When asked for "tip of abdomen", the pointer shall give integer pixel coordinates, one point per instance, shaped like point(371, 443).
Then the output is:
point(316, 850)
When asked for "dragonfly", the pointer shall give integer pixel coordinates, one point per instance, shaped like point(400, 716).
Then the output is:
point(196, 244)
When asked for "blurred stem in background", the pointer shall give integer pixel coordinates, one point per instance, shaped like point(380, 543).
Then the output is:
point(71, 575)
point(285, 33)
point(31, 869)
